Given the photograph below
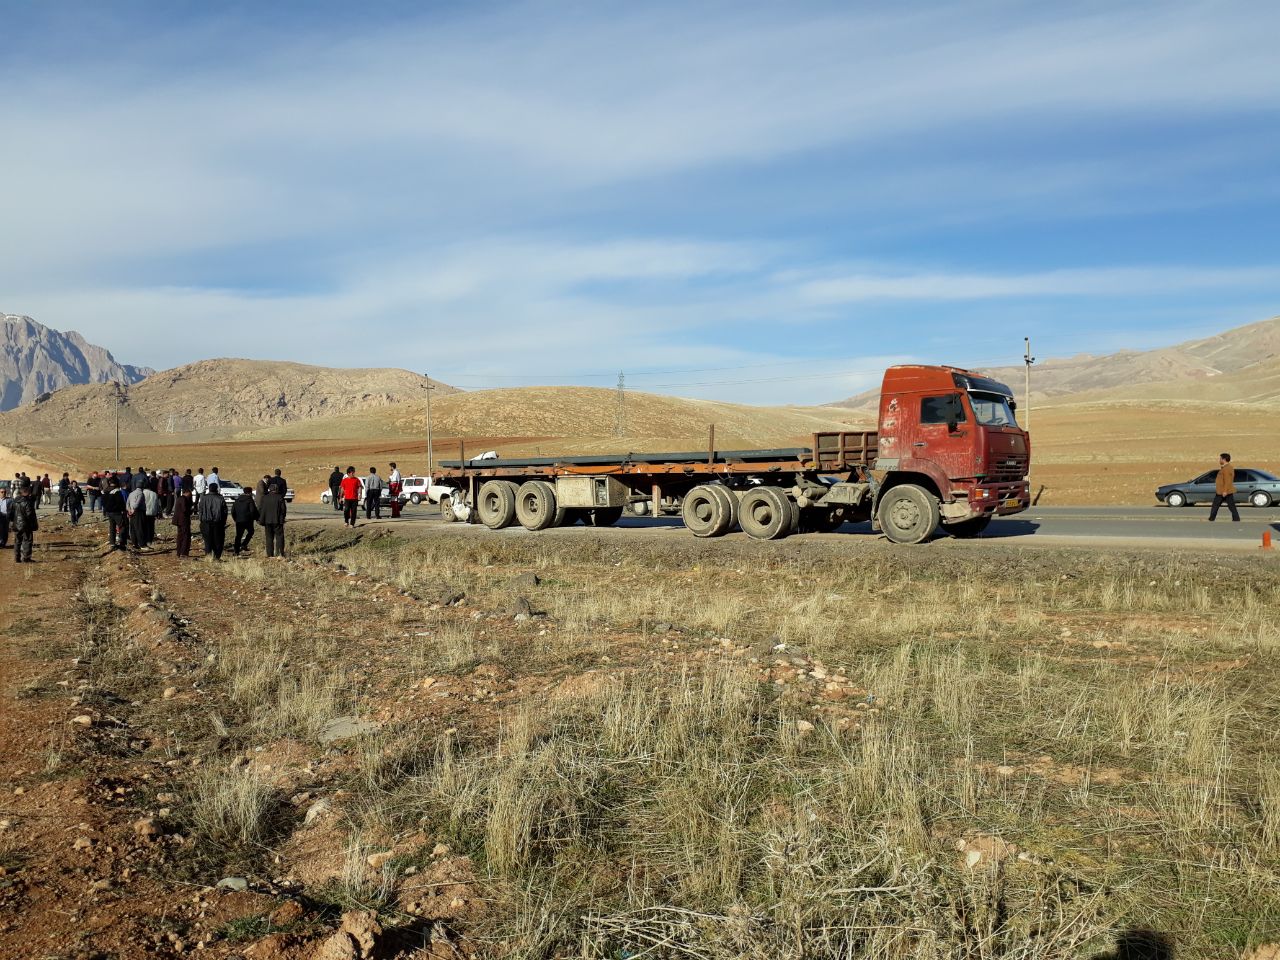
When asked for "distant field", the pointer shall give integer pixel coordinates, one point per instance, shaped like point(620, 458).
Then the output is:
point(1113, 452)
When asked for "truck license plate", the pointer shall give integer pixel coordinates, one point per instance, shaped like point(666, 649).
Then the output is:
point(1013, 502)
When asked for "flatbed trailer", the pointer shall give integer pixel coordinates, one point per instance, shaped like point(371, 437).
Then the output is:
point(947, 453)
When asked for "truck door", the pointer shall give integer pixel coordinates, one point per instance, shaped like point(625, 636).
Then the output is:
point(944, 434)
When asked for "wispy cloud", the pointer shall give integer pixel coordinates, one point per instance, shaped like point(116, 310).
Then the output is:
point(497, 190)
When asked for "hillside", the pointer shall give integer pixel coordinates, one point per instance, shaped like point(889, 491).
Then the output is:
point(586, 417)
point(36, 360)
point(1190, 364)
point(217, 397)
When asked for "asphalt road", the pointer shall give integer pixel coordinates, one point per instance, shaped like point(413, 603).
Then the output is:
point(1185, 528)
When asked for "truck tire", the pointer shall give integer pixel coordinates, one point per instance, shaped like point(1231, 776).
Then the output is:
point(415, 498)
point(702, 511)
point(908, 514)
point(536, 506)
point(729, 504)
point(571, 517)
point(446, 510)
point(604, 516)
point(766, 513)
point(965, 529)
point(496, 503)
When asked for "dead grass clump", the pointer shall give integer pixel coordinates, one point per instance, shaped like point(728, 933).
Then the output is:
point(233, 811)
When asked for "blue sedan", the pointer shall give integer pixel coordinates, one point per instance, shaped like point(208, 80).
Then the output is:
point(1256, 487)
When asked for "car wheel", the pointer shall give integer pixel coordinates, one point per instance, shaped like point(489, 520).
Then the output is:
point(1176, 499)
point(415, 499)
point(1260, 498)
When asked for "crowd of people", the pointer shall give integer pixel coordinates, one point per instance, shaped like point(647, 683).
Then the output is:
point(132, 502)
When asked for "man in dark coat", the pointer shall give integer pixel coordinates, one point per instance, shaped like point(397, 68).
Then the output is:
point(113, 510)
point(244, 512)
point(213, 521)
point(182, 507)
point(75, 502)
point(22, 516)
point(335, 489)
point(272, 515)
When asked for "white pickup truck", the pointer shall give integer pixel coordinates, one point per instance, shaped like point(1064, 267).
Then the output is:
point(416, 489)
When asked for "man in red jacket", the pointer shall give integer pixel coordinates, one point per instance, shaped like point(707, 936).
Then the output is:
point(350, 497)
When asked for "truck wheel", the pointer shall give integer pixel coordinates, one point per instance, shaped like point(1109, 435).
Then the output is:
point(908, 514)
point(496, 503)
point(415, 498)
point(639, 508)
point(446, 510)
point(729, 509)
point(965, 529)
point(536, 506)
point(702, 511)
point(604, 516)
point(766, 513)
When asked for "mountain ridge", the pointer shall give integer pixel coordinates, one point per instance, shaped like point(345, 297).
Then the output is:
point(38, 360)
point(1229, 352)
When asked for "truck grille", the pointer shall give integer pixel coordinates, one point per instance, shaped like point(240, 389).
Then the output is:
point(1007, 467)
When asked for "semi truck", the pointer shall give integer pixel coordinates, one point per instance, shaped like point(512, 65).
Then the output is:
point(947, 454)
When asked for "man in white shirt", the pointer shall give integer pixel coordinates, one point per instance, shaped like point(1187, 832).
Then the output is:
point(201, 484)
point(393, 481)
point(214, 478)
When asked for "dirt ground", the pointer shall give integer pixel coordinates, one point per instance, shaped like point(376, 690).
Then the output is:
point(255, 758)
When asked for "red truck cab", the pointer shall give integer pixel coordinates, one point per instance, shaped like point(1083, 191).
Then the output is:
point(951, 435)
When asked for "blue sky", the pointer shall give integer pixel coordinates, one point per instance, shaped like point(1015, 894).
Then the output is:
point(755, 202)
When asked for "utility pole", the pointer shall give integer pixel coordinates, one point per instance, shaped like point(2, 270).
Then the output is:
point(429, 444)
point(1028, 359)
point(120, 399)
point(620, 419)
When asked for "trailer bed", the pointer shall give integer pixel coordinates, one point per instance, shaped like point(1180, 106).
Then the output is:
point(797, 454)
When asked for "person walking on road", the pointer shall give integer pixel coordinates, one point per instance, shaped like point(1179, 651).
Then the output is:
point(5, 505)
point(335, 488)
point(350, 497)
point(93, 491)
point(113, 509)
point(182, 516)
point(135, 506)
point(373, 495)
point(22, 514)
point(43, 494)
point(64, 485)
point(1224, 489)
point(213, 521)
point(151, 509)
point(273, 514)
point(75, 503)
point(244, 511)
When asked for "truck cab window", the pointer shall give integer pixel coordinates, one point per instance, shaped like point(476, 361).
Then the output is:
point(946, 409)
point(992, 409)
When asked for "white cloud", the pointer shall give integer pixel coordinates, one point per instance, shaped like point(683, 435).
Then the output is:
point(1117, 281)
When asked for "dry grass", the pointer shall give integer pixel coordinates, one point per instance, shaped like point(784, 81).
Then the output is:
point(1112, 718)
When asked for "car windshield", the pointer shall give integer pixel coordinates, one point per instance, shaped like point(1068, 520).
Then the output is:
point(992, 409)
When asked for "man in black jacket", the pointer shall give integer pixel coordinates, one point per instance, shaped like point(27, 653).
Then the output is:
point(22, 515)
point(113, 510)
point(273, 514)
point(213, 522)
point(244, 512)
point(335, 489)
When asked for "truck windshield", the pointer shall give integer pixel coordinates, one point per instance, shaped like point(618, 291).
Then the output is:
point(992, 409)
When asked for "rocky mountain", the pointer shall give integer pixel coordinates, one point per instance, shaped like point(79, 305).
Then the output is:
point(37, 360)
point(1194, 362)
point(220, 398)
